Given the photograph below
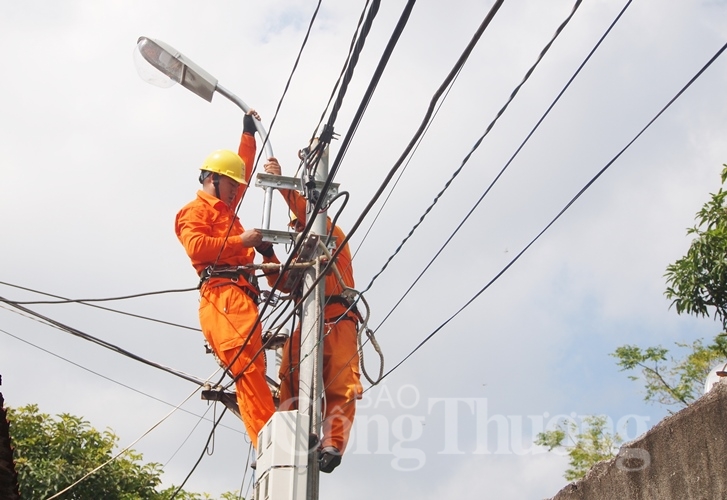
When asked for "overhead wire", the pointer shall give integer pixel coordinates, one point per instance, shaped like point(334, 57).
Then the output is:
point(351, 49)
point(201, 456)
point(478, 142)
point(442, 89)
point(102, 375)
point(189, 435)
point(567, 206)
point(362, 107)
point(287, 83)
point(507, 164)
point(108, 345)
point(406, 165)
point(87, 302)
point(427, 117)
point(588, 57)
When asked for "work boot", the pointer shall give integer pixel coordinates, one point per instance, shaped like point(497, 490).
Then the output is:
point(329, 459)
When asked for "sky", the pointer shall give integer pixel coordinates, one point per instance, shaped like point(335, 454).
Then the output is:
point(96, 162)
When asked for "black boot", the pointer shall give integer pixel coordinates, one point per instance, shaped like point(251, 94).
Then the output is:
point(329, 459)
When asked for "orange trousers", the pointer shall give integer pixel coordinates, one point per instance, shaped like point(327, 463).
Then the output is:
point(341, 380)
point(227, 315)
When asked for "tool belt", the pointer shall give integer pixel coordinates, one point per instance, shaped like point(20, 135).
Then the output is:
point(351, 314)
point(246, 281)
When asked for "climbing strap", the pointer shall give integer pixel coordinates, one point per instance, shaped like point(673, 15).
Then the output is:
point(239, 276)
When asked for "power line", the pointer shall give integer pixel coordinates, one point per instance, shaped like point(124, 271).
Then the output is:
point(502, 110)
point(103, 343)
point(477, 144)
point(105, 377)
point(422, 127)
point(87, 302)
point(567, 206)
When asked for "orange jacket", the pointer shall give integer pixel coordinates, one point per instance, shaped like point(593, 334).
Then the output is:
point(202, 225)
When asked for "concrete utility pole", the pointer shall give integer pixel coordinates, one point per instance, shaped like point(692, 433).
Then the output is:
point(288, 468)
point(311, 348)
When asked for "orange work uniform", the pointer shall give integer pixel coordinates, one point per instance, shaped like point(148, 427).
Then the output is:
point(340, 371)
point(227, 313)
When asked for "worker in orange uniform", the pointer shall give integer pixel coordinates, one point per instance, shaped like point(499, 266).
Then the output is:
point(217, 244)
point(341, 372)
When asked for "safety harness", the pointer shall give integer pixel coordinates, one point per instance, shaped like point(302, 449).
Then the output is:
point(351, 312)
point(246, 281)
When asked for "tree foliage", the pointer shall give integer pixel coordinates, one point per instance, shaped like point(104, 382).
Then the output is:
point(697, 283)
point(53, 453)
point(668, 380)
point(593, 444)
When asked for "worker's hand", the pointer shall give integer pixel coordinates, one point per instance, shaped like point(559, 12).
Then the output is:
point(272, 166)
point(265, 249)
point(251, 238)
point(248, 124)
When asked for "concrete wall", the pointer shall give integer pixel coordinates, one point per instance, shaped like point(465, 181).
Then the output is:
point(683, 457)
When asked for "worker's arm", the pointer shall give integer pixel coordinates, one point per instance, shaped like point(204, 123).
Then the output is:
point(246, 150)
point(203, 238)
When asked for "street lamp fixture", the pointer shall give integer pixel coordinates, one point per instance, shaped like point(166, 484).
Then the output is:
point(176, 68)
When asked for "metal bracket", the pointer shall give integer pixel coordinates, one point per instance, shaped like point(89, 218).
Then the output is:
point(229, 399)
point(273, 236)
point(263, 180)
point(307, 252)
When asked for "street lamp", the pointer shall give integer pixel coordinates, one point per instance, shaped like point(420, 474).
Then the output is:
point(176, 68)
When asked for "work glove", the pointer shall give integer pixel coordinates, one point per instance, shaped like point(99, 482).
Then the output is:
point(265, 249)
point(248, 125)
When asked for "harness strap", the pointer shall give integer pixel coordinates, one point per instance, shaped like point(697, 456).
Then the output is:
point(339, 299)
point(248, 284)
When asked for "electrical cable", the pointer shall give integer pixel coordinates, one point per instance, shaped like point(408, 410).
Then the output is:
point(567, 206)
point(373, 83)
point(103, 343)
point(352, 60)
point(209, 438)
point(86, 302)
point(423, 126)
point(189, 435)
point(104, 376)
point(477, 144)
point(345, 64)
point(406, 165)
point(438, 93)
point(588, 57)
point(527, 138)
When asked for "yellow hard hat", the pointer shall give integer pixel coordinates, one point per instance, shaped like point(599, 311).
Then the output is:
point(226, 163)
